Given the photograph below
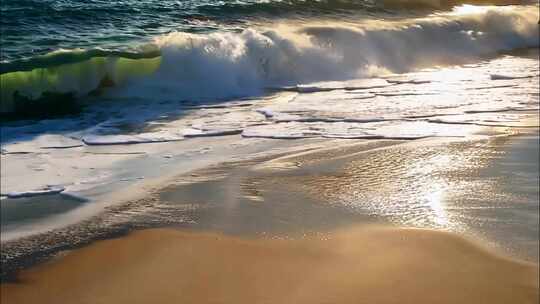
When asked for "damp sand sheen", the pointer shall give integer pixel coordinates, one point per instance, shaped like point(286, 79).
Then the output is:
point(356, 263)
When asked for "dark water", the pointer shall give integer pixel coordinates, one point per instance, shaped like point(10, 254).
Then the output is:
point(37, 27)
point(16, 212)
point(33, 28)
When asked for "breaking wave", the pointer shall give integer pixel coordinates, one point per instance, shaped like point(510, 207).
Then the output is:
point(232, 64)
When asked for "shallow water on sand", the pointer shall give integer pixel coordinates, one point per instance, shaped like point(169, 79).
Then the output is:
point(487, 189)
point(484, 187)
point(421, 184)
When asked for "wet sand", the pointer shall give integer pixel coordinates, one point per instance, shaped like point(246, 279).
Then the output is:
point(482, 188)
point(357, 265)
point(272, 231)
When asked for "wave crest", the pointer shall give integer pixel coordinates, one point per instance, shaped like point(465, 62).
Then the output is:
point(235, 64)
point(221, 65)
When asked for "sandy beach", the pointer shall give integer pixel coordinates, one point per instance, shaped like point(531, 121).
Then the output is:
point(270, 243)
point(359, 265)
point(276, 152)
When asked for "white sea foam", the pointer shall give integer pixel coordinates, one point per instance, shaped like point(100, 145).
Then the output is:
point(207, 133)
point(130, 139)
point(238, 64)
point(435, 102)
point(509, 77)
point(224, 64)
point(47, 190)
point(486, 119)
point(312, 65)
point(370, 130)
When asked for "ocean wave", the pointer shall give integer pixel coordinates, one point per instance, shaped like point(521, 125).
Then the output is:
point(228, 64)
point(36, 27)
point(333, 6)
point(64, 56)
point(443, 4)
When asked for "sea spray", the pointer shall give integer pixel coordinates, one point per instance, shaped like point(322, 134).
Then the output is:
point(232, 64)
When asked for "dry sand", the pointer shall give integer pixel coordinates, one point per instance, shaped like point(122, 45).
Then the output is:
point(359, 265)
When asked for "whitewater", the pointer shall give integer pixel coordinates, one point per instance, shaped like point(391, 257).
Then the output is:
point(182, 65)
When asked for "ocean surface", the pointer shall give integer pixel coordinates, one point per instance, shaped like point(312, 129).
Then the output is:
point(32, 28)
point(66, 50)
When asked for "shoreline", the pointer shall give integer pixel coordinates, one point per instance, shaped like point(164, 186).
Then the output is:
point(102, 226)
point(398, 106)
point(90, 231)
